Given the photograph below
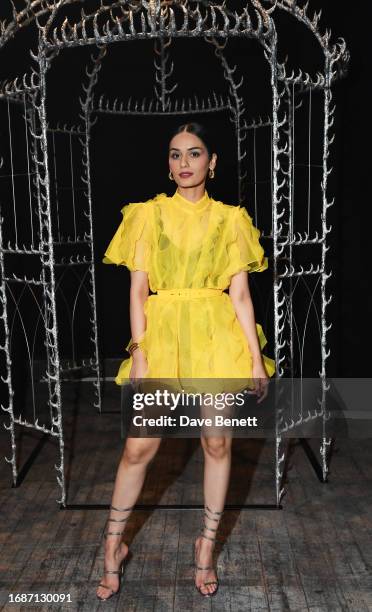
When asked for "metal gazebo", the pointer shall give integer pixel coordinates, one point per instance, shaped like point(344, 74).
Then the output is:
point(33, 241)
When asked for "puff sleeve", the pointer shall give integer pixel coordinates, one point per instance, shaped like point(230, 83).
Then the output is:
point(245, 250)
point(131, 243)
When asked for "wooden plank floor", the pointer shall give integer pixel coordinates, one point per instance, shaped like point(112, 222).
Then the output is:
point(314, 554)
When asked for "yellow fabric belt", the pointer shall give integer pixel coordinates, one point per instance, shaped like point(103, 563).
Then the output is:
point(189, 292)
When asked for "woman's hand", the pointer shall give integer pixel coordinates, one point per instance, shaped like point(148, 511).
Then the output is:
point(261, 380)
point(139, 366)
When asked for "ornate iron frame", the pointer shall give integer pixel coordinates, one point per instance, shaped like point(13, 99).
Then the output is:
point(163, 21)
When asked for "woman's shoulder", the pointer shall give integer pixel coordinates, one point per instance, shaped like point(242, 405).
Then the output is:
point(144, 205)
point(234, 210)
point(227, 209)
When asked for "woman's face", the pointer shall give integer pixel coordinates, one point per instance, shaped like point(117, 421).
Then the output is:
point(188, 160)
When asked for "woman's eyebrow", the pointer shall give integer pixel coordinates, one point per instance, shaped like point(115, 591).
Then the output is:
point(189, 149)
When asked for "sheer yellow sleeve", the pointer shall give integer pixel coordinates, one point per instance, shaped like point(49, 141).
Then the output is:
point(131, 243)
point(245, 250)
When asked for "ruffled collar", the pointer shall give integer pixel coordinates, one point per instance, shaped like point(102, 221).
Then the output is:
point(189, 206)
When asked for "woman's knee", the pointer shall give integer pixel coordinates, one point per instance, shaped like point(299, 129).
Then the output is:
point(139, 451)
point(217, 447)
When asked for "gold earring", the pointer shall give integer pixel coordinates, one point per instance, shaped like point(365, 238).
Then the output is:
point(170, 175)
point(211, 173)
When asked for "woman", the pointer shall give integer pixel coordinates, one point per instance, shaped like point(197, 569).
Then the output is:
point(187, 249)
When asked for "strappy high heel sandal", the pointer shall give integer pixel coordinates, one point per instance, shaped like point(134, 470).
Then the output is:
point(209, 567)
point(119, 571)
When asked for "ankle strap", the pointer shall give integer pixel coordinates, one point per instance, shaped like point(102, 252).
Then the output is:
point(114, 520)
point(121, 509)
point(216, 520)
point(209, 528)
point(208, 538)
point(208, 511)
point(212, 511)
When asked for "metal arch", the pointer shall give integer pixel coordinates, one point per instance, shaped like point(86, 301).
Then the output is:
point(154, 24)
point(301, 14)
point(153, 10)
point(32, 11)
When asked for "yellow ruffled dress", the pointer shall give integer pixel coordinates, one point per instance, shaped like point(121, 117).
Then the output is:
point(190, 251)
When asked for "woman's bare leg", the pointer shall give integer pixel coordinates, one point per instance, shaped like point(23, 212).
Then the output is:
point(217, 464)
point(216, 445)
point(131, 472)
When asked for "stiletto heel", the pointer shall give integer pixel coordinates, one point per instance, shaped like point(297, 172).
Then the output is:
point(119, 571)
point(209, 567)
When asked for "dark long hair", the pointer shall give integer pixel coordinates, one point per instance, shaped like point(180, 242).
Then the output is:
point(200, 131)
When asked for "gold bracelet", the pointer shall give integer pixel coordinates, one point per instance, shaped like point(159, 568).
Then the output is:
point(132, 347)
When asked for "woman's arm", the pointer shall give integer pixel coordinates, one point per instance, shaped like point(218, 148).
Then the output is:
point(139, 291)
point(242, 301)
